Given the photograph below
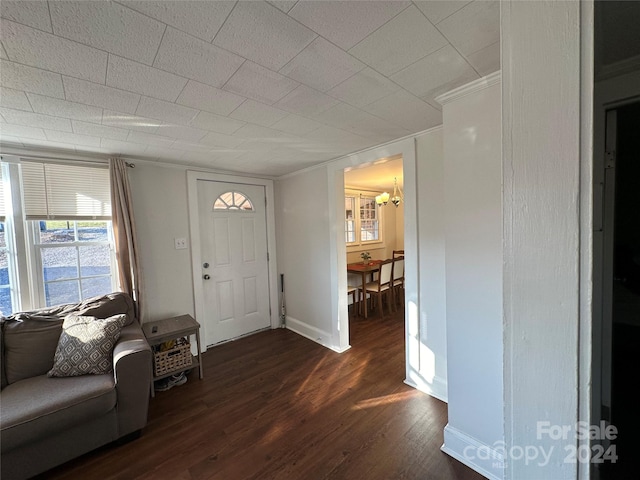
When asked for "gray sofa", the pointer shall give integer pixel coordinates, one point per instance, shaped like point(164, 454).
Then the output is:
point(46, 421)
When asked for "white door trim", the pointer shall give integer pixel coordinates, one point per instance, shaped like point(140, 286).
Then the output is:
point(194, 232)
point(338, 249)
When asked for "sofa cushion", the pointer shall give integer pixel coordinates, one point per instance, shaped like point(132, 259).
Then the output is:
point(30, 342)
point(40, 406)
point(86, 345)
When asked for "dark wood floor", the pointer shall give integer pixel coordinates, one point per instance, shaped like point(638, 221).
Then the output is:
point(278, 406)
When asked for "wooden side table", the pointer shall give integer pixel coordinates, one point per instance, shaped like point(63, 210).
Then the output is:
point(169, 329)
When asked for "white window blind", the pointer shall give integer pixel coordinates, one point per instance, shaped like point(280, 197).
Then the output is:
point(77, 192)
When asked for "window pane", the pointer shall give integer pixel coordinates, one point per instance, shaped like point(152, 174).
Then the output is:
point(57, 293)
point(6, 308)
point(93, 232)
point(95, 260)
point(369, 230)
point(3, 241)
point(92, 287)
point(60, 262)
point(58, 231)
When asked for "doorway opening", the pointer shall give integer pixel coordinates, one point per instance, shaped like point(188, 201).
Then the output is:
point(374, 234)
point(621, 284)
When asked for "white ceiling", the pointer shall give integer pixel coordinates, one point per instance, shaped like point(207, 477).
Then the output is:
point(378, 176)
point(251, 86)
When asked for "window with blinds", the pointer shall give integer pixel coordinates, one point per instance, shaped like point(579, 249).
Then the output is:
point(52, 190)
point(3, 211)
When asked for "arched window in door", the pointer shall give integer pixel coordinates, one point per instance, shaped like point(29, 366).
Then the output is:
point(233, 201)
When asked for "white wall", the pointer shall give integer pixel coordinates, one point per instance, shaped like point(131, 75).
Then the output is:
point(160, 208)
point(473, 264)
point(433, 309)
point(541, 65)
point(302, 241)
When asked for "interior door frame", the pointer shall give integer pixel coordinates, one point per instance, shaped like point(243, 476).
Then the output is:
point(610, 93)
point(338, 249)
point(194, 232)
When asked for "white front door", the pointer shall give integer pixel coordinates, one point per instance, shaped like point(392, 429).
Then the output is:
point(233, 242)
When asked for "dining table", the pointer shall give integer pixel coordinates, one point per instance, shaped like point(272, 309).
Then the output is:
point(364, 269)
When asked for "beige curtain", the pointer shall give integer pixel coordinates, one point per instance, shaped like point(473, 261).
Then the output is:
point(124, 231)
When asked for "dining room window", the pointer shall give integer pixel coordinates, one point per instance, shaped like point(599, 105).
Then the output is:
point(362, 220)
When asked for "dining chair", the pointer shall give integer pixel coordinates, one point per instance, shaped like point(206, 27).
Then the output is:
point(397, 253)
point(353, 291)
point(381, 286)
point(397, 275)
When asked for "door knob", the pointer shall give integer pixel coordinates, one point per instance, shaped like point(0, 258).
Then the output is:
point(206, 277)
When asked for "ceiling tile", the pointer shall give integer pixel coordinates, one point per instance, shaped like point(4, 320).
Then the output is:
point(345, 23)
point(221, 140)
point(72, 138)
point(201, 19)
point(150, 139)
point(181, 132)
point(196, 59)
point(406, 110)
point(81, 91)
point(131, 122)
point(108, 26)
point(20, 131)
point(400, 42)
point(20, 117)
point(204, 97)
point(216, 123)
point(43, 50)
point(30, 79)
point(49, 146)
point(262, 33)
point(168, 112)
point(33, 14)
point(284, 5)
point(356, 121)
point(136, 77)
point(11, 141)
point(487, 60)
point(116, 147)
point(96, 130)
point(62, 108)
point(258, 113)
point(258, 133)
point(259, 83)
point(16, 99)
point(435, 74)
point(306, 101)
point(473, 27)
point(191, 147)
point(364, 88)
point(296, 125)
point(439, 10)
point(322, 65)
point(338, 137)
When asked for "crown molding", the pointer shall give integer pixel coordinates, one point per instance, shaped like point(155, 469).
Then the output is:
point(469, 88)
point(628, 65)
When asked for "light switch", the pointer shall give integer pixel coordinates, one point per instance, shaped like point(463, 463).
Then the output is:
point(181, 243)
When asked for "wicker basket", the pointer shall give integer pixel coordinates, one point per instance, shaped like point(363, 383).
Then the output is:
point(175, 359)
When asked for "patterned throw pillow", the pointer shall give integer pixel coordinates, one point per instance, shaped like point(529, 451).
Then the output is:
point(86, 345)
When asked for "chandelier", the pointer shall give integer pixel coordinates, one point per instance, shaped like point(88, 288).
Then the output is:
point(397, 197)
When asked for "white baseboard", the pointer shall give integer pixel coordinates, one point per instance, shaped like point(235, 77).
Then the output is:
point(312, 333)
point(436, 389)
point(482, 458)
